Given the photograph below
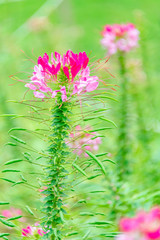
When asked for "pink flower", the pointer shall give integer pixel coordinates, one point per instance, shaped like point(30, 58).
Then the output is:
point(12, 212)
point(81, 141)
point(68, 75)
point(143, 226)
point(119, 37)
point(33, 231)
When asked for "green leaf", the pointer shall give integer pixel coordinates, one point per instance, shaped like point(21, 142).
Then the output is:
point(17, 129)
point(101, 223)
point(105, 97)
point(99, 129)
point(4, 234)
point(101, 154)
point(79, 169)
point(4, 203)
point(17, 139)
point(73, 233)
point(86, 214)
point(14, 218)
point(13, 161)
point(10, 170)
point(9, 224)
point(92, 177)
point(17, 183)
point(8, 115)
point(107, 120)
point(11, 144)
point(86, 235)
point(96, 160)
point(7, 180)
point(109, 160)
point(29, 210)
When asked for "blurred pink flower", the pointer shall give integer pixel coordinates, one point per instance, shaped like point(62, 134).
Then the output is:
point(144, 226)
point(29, 230)
point(119, 37)
point(12, 212)
point(81, 141)
point(69, 73)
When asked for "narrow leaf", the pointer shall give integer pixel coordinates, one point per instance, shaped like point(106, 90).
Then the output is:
point(107, 120)
point(14, 218)
point(4, 203)
point(18, 139)
point(13, 161)
point(9, 224)
point(96, 160)
point(10, 170)
point(79, 169)
point(17, 129)
point(7, 180)
point(29, 210)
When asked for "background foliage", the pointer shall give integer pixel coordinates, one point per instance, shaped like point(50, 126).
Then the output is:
point(30, 28)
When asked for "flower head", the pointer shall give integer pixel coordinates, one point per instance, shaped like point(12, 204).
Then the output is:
point(145, 225)
point(32, 231)
point(68, 75)
point(83, 140)
point(120, 37)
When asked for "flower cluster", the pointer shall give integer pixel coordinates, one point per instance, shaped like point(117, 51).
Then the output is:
point(68, 74)
point(80, 139)
point(122, 37)
point(32, 231)
point(144, 226)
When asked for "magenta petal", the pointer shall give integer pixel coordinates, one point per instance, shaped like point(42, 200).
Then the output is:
point(46, 58)
point(57, 68)
point(66, 71)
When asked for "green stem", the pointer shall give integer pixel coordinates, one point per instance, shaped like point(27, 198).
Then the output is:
point(56, 173)
point(122, 155)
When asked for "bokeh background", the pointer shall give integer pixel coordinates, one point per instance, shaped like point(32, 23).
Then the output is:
point(29, 28)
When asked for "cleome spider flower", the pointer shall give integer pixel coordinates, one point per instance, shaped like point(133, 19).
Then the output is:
point(119, 37)
point(80, 139)
point(68, 74)
point(144, 226)
point(32, 231)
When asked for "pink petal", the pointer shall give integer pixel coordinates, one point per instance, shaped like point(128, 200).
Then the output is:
point(39, 95)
